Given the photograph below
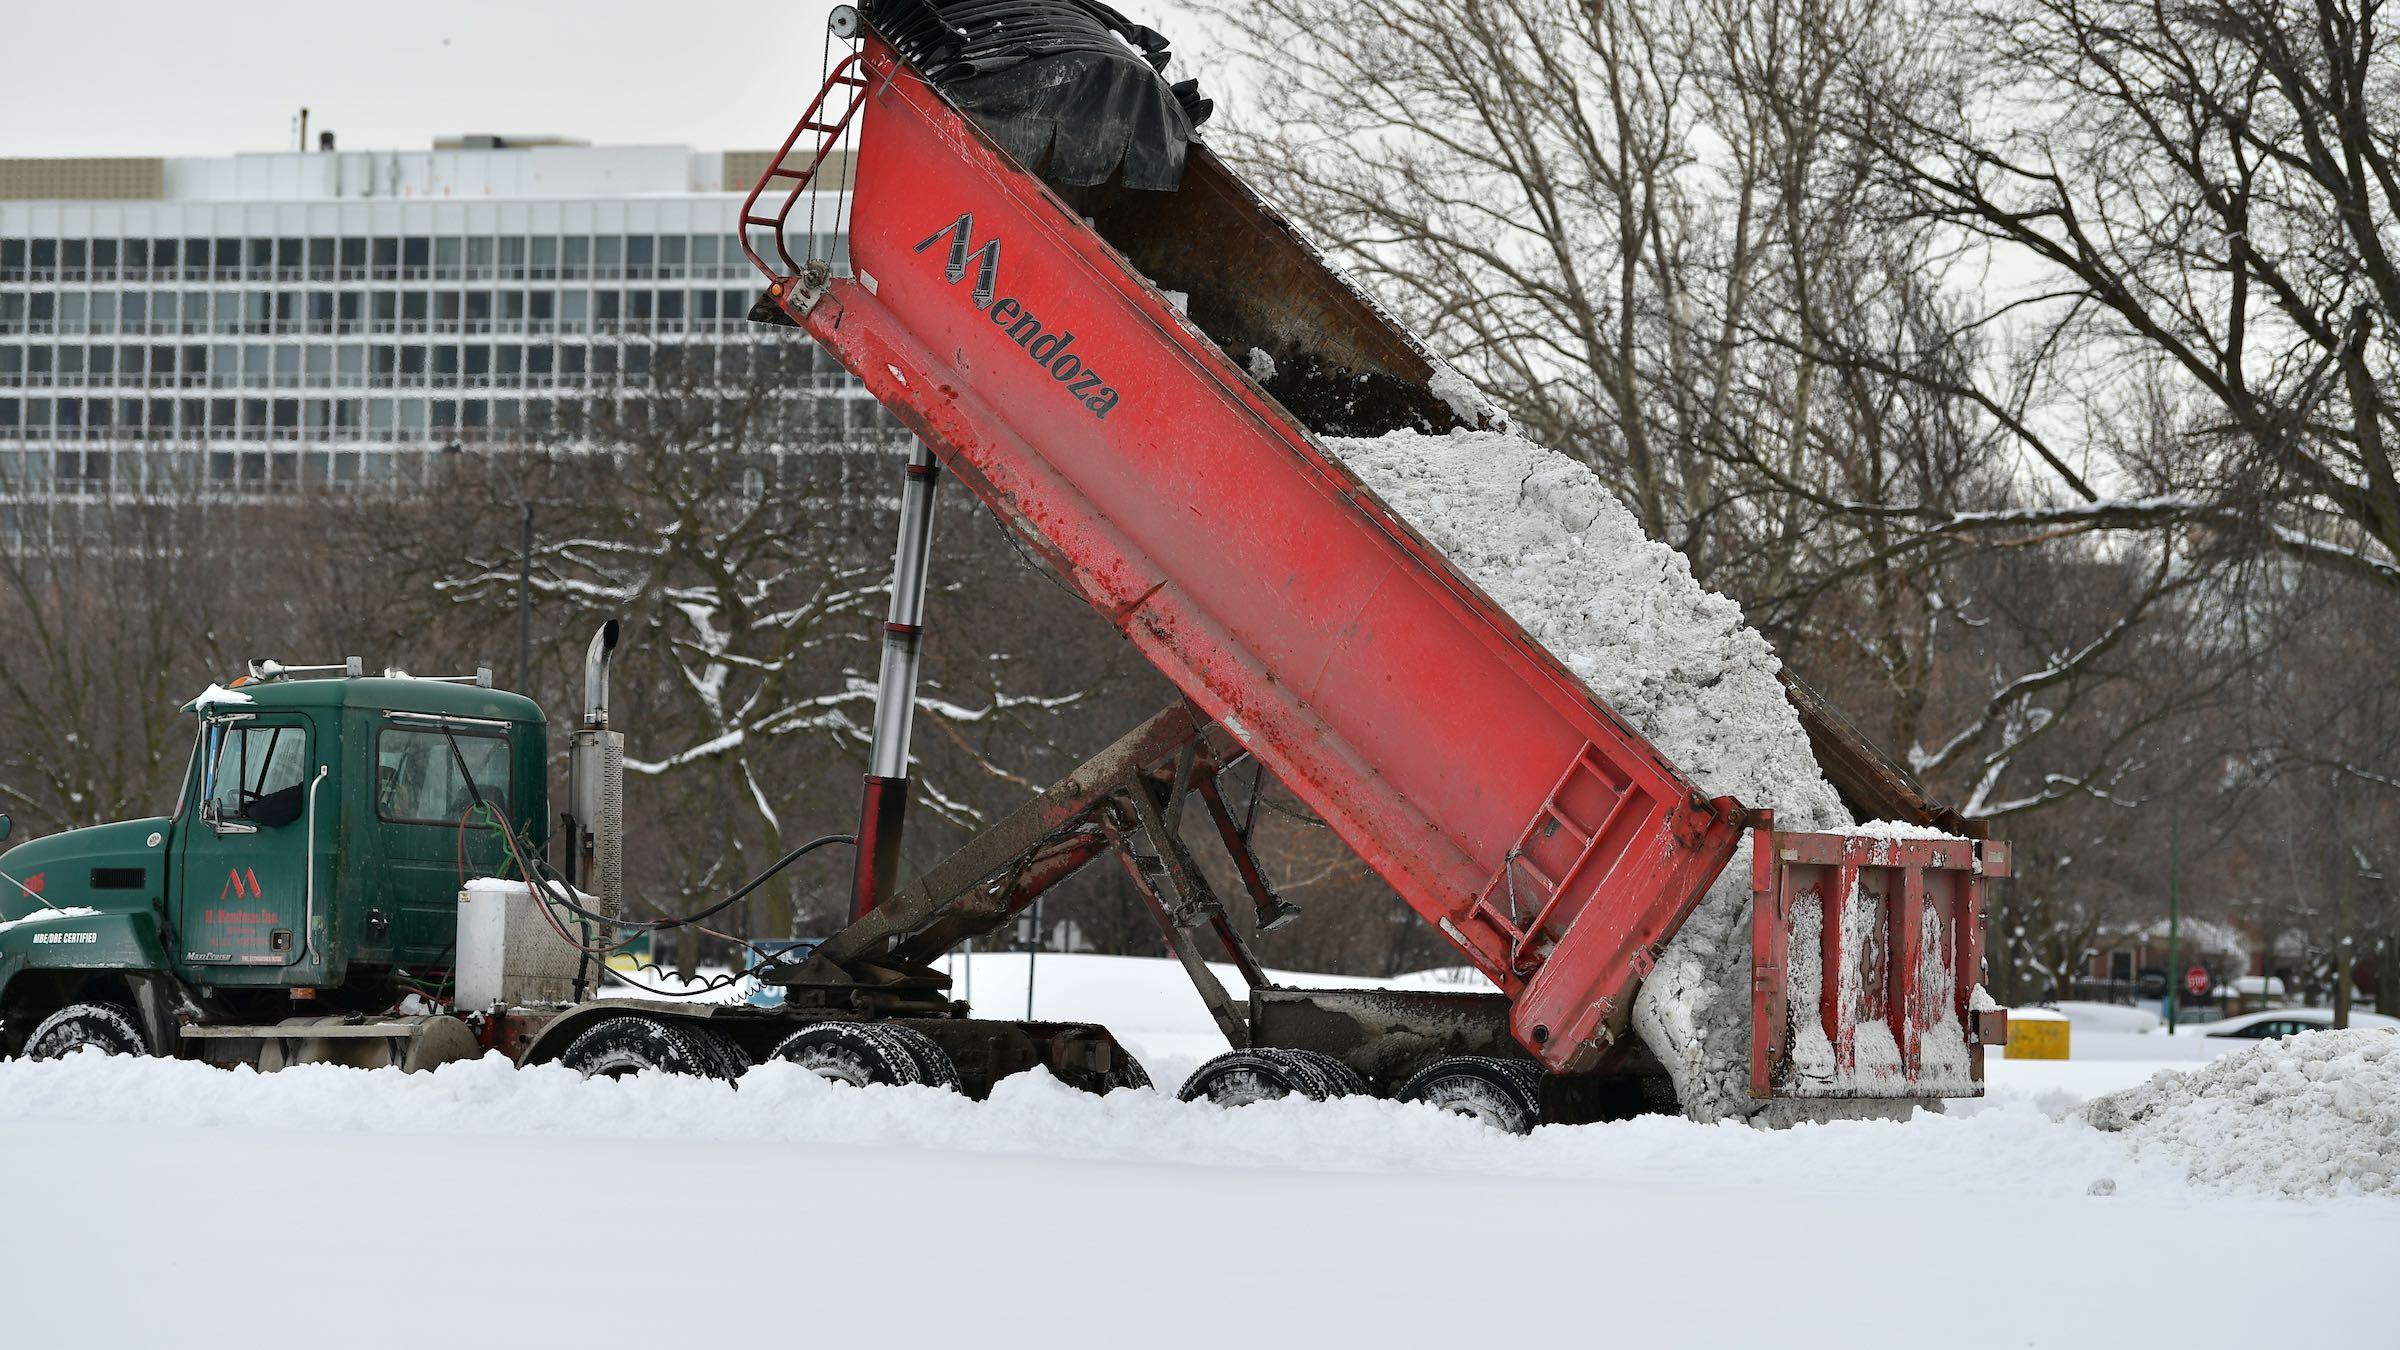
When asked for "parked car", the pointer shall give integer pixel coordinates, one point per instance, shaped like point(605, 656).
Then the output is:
point(2274, 1022)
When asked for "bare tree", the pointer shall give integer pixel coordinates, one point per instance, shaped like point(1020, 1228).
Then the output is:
point(744, 536)
point(2209, 194)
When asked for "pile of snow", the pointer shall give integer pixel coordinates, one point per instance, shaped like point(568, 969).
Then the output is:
point(217, 696)
point(1546, 539)
point(1034, 1113)
point(415, 1176)
point(47, 915)
point(2306, 1116)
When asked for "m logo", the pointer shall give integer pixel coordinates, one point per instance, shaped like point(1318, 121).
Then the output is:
point(962, 246)
point(234, 885)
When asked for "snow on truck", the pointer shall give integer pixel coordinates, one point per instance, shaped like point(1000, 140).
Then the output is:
point(1143, 370)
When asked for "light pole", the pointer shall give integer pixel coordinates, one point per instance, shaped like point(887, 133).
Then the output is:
point(525, 594)
point(2174, 910)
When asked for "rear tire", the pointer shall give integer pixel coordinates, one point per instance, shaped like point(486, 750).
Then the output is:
point(934, 1066)
point(1240, 1077)
point(732, 1060)
point(629, 1045)
point(1346, 1080)
point(110, 1028)
point(1128, 1073)
point(854, 1053)
point(1503, 1094)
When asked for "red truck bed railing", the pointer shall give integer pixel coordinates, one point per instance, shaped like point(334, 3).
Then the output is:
point(1498, 796)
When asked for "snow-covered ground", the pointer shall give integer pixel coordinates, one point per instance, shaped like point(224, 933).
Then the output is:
point(169, 1203)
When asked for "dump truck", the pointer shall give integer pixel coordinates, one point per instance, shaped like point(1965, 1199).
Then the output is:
point(375, 881)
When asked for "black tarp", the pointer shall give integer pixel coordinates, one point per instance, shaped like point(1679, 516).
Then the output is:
point(1071, 88)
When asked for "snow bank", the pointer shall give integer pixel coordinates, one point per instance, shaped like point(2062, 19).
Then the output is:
point(2311, 1115)
point(1068, 1208)
point(1546, 539)
point(1032, 1113)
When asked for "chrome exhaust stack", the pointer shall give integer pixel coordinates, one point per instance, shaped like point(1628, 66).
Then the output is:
point(595, 842)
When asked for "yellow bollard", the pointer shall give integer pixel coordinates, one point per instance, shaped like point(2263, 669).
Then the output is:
point(2034, 1036)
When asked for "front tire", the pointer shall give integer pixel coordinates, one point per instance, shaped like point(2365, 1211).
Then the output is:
point(110, 1028)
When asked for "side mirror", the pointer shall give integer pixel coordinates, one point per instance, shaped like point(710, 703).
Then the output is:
point(3, 827)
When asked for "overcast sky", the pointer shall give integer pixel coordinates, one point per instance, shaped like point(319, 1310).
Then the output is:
point(145, 77)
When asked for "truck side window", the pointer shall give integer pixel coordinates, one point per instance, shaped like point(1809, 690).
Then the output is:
point(417, 781)
point(257, 773)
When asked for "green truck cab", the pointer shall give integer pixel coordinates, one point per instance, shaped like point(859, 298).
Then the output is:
point(335, 886)
point(311, 865)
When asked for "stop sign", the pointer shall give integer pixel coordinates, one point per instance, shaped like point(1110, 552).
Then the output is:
point(2196, 982)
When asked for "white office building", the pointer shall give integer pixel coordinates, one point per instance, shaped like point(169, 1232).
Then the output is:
point(264, 323)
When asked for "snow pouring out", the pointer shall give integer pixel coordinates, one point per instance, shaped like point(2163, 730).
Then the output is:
point(2303, 1117)
point(1544, 537)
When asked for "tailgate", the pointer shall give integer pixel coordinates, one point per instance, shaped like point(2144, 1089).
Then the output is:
point(1866, 955)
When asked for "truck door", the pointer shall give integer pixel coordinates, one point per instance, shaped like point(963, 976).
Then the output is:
point(432, 838)
point(245, 844)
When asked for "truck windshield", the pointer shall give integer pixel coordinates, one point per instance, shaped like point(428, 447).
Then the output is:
point(417, 781)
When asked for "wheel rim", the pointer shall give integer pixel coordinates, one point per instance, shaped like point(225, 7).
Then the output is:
point(1475, 1100)
point(67, 1041)
point(618, 1064)
point(836, 1067)
point(1243, 1086)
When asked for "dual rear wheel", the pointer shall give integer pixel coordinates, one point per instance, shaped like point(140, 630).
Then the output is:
point(859, 1054)
point(629, 1044)
point(864, 1054)
point(1504, 1094)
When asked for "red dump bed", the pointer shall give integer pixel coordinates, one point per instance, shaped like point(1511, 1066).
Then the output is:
point(1497, 795)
